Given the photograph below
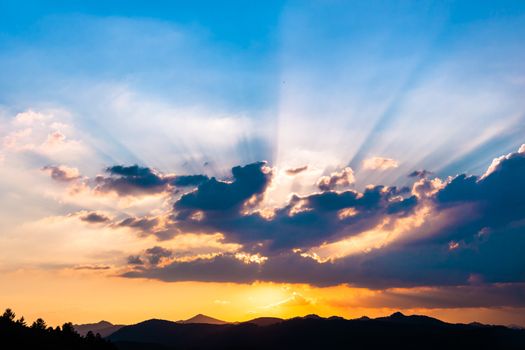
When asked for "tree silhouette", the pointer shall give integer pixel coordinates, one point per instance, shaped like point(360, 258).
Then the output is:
point(17, 335)
point(21, 321)
point(39, 324)
point(67, 328)
point(8, 315)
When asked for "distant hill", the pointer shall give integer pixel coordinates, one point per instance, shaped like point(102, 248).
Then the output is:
point(200, 318)
point(314, 332)
point(16, 334)
point(265, 321)
point(104, 328)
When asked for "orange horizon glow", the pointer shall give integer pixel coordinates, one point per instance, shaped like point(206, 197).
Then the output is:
point(88, 297)
point(280, 159)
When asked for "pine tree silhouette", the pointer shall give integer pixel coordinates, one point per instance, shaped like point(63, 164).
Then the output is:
point(17, 335)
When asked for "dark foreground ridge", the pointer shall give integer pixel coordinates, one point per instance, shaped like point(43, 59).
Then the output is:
point(396, 331)
point(16, 334)
point(104, 328)
point(313, 332)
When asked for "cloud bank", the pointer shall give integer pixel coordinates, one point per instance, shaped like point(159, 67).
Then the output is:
point(449, 233)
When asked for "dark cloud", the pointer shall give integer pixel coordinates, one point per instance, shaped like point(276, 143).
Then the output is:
point(135, 260)
point(214, 195)
point(92, 267)
point(156, 254)
point(95, 218)
point(130, 171)
point(402, 206)
point(61, 173)
point(132, 180)
point(497, 199)
point(145, 224)
point(136, 180)
point(420, 173)
point(150, 225)
point(468, 296)
point(189, 180)
point(222, 268)
point(475, 232)
point(497, 260)
point(295, 171)
point(305, 221)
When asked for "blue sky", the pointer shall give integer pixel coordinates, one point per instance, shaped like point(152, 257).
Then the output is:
point(335, 61)
point(107, 106)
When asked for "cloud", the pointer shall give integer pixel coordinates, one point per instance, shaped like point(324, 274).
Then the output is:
point(189, 246)
point(420, 173)
point(468, 296)
point(43, 136)
point(213, 195)
point(137, 180)
point(283, 268)
point(95, 218)
point(156, 254)
point(92, 267)
point(304, 221)
point(222, 268)
point(402, 237)
point(159, 226)
point(295, 171)
point(55, 138)
point(135, 260)
point(30, 117)
point(131, 180)
point(145, 224)
point(62, 173)
point(337, 179)
point(295, 299)
point(380, 163)
point(189, 180)
point(497, 163)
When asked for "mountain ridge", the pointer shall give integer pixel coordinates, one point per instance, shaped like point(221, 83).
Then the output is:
point(104, 328)
point(313, 331)
point(201, 318)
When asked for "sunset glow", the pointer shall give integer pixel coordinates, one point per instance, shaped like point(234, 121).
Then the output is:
point(281, 159)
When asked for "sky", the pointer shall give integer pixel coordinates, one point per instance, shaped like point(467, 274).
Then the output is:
point(278, 158)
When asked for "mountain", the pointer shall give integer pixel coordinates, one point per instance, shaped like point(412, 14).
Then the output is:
point(164, 333)
point(104, 328)
point(515, 326)
point(398, 317)
point(18, 335)
point(200, 318)
point(314, 332)
point(264, 321)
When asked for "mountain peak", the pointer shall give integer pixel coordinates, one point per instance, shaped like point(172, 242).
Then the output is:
point(273, 333)
point(104, 328)
point(311, 317)
point(102, 323)
point(201, 318)
point(265, 321)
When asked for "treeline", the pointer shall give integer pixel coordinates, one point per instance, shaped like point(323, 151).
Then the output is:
point(17, 334)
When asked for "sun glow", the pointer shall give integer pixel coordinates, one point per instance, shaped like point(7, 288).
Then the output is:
point(386, 233)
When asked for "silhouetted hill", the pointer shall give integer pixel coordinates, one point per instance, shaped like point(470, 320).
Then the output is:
point(314, 332)
point(166, 333)
point(309, 332)
point(104, 328)
point(200, 318)
point(16, 334)
point(265, 321)
point(398, 317)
